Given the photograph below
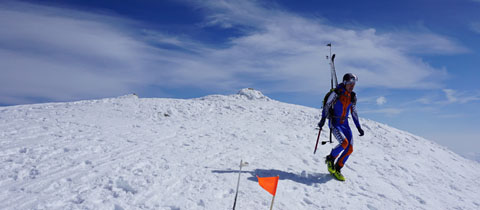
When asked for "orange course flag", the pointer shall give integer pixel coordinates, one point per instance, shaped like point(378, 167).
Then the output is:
point(269, 184)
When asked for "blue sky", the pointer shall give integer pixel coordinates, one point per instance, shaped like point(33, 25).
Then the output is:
point(417, 61)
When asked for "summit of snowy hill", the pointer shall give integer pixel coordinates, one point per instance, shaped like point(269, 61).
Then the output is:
point(129, 96)
point(252, 94)
point(157, 153)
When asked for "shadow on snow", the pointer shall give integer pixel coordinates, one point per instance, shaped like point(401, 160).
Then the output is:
point(302, 178)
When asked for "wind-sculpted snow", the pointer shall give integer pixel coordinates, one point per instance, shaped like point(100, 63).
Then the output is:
point(135, 153)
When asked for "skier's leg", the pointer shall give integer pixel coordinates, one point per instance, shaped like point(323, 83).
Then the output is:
point(343, 142)
point(348, 148)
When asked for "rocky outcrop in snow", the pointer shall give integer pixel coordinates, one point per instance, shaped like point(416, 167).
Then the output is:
point(252, 94)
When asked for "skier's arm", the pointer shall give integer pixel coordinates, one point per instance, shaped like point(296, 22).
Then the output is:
point(325, 112)
point(355, 115)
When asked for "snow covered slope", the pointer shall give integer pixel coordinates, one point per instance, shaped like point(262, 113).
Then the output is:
point(131, 153)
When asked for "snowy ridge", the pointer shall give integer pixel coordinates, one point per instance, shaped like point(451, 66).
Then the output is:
point(136, 153)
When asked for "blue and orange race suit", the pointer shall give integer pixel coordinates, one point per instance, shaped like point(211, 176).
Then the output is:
point(342, 103)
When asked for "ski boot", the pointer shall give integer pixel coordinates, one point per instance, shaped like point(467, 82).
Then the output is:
point(330, 161)
point(338, 174)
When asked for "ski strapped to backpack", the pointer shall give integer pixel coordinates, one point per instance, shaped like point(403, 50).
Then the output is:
point(333, 88)
point(333, 80)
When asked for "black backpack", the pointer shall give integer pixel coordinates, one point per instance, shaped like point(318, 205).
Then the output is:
point(337, 91)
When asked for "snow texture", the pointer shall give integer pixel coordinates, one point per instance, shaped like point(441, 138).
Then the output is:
point(140, 153)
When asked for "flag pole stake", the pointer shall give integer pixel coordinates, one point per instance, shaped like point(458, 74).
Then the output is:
point(271, 206)
point(238, 182)
point(273, 199)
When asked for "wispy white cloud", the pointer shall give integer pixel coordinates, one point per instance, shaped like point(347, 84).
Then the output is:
point(475, 26)
point(61, 54)
point(450, 94)
point(69, 54)
point(381, 100)
point(287, 47)
point(425, 43)
point(386, 111)
point(454, 96)
point(452, 116)
point(423, 100)
point(446, 97)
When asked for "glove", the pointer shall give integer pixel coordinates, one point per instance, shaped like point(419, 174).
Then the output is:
point(360, 130)
point(321, 123)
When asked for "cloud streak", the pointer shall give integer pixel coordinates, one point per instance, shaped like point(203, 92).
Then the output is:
point(386, 111)
point(287, 48)
point(63, 54)
point(454, 96)
point(475, 26)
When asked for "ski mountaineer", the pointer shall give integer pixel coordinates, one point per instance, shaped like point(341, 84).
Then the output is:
point(336, 108)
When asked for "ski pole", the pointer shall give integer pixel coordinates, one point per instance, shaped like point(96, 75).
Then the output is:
point(330, 136)
point(318, 138)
